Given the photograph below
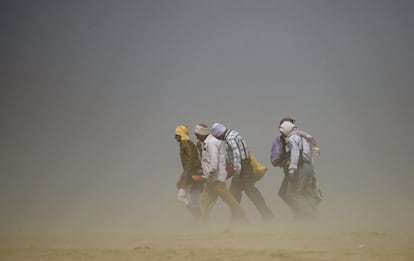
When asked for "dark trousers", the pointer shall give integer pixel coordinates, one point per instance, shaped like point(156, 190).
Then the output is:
point(284, 186)
point(300, 193)
point(245, 183)
point(196, 189)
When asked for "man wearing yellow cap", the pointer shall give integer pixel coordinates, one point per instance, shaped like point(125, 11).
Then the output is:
point(188, 190)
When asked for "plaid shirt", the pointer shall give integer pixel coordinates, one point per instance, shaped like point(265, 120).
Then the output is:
point(236, 149)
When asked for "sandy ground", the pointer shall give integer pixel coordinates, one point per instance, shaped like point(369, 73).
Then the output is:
point(269, 242)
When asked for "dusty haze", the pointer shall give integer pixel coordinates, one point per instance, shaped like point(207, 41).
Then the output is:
point(93, 90)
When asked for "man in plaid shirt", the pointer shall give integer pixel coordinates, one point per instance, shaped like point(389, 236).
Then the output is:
point(238, 154)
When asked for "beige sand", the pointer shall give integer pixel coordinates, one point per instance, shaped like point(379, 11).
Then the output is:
point(268, 242)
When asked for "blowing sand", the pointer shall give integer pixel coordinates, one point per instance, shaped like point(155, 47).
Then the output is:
point(268, 242)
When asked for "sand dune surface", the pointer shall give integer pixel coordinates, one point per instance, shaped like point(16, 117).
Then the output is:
point(269, 242)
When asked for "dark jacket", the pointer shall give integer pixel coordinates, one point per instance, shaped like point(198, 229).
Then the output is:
point(190, 163)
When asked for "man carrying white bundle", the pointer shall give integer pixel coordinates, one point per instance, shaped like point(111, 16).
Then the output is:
point(189, 190)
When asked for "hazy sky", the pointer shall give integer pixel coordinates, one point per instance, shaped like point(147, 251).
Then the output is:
point(91, 92)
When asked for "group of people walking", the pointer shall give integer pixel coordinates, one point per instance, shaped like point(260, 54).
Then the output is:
point(221, 153)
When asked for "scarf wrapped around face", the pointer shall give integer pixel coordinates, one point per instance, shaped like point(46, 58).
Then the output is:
point(183, 131)
point(287, 127)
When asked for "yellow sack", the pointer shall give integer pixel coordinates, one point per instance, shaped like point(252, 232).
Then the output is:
point(258, 168)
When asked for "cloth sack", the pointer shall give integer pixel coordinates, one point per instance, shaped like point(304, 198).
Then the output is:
point(258, 168)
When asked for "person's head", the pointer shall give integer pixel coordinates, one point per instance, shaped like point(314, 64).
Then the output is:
point(181, 133)
point(218, 130)
point(286, 128)
point(287, 119)
point(201, 131)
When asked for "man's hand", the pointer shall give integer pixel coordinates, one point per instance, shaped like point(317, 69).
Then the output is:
point(209, 177)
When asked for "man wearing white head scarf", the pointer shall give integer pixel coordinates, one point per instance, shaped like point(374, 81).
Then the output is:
point(239, 155)
point(300, 147)
point(213, 162)
point(188, 190)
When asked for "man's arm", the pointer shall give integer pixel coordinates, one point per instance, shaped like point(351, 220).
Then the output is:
point(294, 141)
point(236, 156)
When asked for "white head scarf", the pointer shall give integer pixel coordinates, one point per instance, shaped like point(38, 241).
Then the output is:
point(217, 129)
point(287, 127)
point(202, 130)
